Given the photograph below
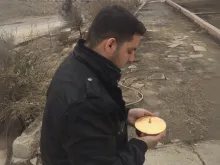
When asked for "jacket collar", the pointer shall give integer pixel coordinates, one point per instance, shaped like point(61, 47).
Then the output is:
point(103, 67)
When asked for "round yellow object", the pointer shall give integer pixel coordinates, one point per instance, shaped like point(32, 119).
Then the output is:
point(150, 125)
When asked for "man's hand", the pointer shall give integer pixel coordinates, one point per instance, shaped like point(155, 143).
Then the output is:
point(152, 141)
point(136, 113)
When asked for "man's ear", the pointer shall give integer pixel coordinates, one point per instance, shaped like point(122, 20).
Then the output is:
point(111, 45)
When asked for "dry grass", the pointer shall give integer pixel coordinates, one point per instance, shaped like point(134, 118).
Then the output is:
point(94, 7)
point(71, 12)
point(20, 77)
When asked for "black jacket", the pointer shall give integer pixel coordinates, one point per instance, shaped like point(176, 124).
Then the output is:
point(85, 120)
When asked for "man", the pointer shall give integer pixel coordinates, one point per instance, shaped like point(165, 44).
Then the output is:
point(85, 119)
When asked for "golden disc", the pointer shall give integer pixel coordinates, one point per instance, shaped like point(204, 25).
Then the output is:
point(150, 125)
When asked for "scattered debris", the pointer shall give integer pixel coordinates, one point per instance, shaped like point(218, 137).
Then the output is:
point(196, 56)
point(174, 45)
point(132, 67)
point(137, 85)
point(34, 161)
point(171, 59)
point(172, 56)
point(175, 141)
point(129, 81)
point(198, 48)
point(184, 58)
point(157, 76)
point(25, 146)
point(211, 59)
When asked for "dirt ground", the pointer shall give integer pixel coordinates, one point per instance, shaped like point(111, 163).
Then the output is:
point(186, 88)
point(206, 9)
point(18, 9)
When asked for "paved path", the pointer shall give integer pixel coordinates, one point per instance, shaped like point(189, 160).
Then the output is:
point(30, 28)
point(170, 49)
point(178, 73)
point(204, 153)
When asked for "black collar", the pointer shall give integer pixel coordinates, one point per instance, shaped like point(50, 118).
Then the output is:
point(105, 70)
point(103, 67)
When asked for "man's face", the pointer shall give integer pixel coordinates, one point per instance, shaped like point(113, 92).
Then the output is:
point(125, 52)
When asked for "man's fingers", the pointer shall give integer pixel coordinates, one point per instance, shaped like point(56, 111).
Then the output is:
point(160, 136)
point(163, 134)
point(148, 113)
point(156, 113)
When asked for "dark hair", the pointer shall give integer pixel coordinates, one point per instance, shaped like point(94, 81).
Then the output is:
point(114, 21)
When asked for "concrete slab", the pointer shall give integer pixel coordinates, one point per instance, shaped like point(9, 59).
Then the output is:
point(157, 76)
point(209, 152)
point(172, 155)
point(31, 28)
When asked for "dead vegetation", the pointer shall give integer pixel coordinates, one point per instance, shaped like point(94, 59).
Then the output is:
point(95, 6)
point(20, 94)
point(78, 14)
point(25, 73)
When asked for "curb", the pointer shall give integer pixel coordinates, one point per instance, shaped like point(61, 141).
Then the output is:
point(212, 30)
point(142, 5)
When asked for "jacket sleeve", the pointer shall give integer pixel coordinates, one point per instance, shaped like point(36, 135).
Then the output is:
point(92, 141)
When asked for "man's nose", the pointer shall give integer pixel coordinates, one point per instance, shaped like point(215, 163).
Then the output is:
point(131, 59)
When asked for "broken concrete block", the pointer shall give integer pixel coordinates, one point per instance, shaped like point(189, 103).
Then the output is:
point(26, 145)
point(137, 85)
point(132, 67)
point(198, 48)
point(172, 56)
point(34, 161)
point(184, 58)
point(157, 76)
point(18, 161)
point(129, 81)
point(175, 141)
point(211, 59)
point(171, 59)
point(174, 45)
point(196, 56)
